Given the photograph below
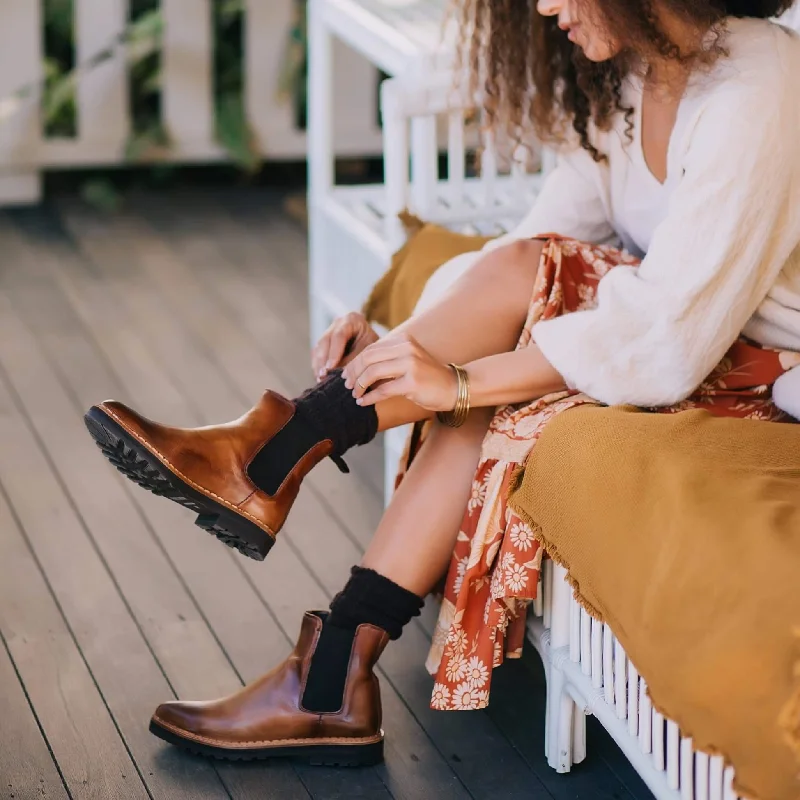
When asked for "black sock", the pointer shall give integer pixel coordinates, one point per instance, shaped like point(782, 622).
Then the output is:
point(326, 411)
point(368, 597)
point(330, 409)
point(372, 598)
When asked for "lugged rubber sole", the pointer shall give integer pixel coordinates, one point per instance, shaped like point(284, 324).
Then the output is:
point(144, 468)
point(329, 755)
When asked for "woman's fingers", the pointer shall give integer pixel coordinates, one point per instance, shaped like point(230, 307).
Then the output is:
point(400, 368)
point(319, 355)
point(333, 346)
point(337, 346)
point(375, 353)
point(399, 387)
point(380, 371)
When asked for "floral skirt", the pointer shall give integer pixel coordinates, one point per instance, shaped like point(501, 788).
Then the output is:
point(494, 572)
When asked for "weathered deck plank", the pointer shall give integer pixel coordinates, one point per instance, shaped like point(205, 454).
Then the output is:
point(93, 758)
point(27, 766)
point(188, 307)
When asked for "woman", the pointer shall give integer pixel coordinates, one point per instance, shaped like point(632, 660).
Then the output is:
point(677, 123)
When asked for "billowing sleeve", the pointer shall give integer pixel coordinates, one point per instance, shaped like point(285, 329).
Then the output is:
point(732, 223)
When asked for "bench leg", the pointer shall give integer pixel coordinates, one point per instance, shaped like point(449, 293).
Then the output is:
point(565, 739)
point(565, 721)
point(560, 717)
point(578, 735)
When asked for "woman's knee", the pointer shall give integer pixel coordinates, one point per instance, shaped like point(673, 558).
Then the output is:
point(443, 280)
point(522, 255)
point(513, 269)
point(520, 258)
point(513, 266)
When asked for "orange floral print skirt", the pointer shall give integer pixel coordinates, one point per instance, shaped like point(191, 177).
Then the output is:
point(494, 571)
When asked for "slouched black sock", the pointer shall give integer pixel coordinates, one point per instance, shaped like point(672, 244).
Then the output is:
point(330, 409)
point(368, 597)
point(326, 411)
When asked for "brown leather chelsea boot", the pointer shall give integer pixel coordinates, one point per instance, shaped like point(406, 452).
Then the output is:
point(268, 719)
point(206, 469)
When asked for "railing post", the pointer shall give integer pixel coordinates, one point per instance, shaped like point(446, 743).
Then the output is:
point(266, 38)
point(320, 156)
point(424, 164)
point(102, 92)
point(20, 121)
point(187, 69)
point(395, 160)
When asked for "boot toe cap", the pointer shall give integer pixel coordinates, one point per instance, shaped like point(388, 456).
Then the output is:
point(182, 717)
point(128, 418)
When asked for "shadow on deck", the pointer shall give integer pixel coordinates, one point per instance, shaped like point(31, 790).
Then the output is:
point(111, 602)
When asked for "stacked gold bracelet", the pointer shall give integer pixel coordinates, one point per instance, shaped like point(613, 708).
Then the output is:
point(458, 416)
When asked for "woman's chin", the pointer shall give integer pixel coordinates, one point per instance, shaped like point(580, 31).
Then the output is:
point(597, 54)
point(597, 50)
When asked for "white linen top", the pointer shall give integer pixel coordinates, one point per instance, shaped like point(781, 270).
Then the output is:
point(719, 238)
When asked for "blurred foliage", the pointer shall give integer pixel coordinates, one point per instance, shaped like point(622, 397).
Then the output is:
point(59, 88)
point(141, 41)
point(293, 81)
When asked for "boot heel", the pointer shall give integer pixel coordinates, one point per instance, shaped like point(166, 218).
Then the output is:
point(236, 531)
point(364, 755)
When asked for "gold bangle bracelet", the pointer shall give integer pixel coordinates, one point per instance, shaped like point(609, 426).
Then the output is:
point(458, 416)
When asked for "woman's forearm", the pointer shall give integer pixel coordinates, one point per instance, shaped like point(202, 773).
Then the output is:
point(514, 377)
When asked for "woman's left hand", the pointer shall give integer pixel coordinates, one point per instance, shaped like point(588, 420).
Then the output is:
point(407, 370)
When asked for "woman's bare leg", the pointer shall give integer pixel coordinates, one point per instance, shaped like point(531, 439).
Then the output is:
point(481, 315)
point(415, 538)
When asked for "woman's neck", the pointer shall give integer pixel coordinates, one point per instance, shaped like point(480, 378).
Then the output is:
point(666, 80)
point(669, 76)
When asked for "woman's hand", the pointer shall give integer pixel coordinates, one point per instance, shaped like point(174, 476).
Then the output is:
point(332, 349)
point(406, 369)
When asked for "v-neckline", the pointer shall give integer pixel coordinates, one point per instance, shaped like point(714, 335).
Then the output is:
point(639, 135)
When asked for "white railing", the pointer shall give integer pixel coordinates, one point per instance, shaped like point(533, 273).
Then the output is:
point(103, 116)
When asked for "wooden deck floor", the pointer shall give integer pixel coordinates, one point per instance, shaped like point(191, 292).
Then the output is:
point(187, 307)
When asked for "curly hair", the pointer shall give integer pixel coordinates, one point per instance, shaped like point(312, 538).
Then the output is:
point(512, 49)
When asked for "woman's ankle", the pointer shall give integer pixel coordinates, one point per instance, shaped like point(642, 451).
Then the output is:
point(371, 598)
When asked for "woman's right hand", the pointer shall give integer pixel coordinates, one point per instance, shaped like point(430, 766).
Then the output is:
point(345, 339)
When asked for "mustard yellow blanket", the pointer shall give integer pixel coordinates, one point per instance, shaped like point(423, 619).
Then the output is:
point(683, 533)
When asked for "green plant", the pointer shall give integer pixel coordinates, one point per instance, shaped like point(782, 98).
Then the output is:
point(293, 81)
point(141, 41)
